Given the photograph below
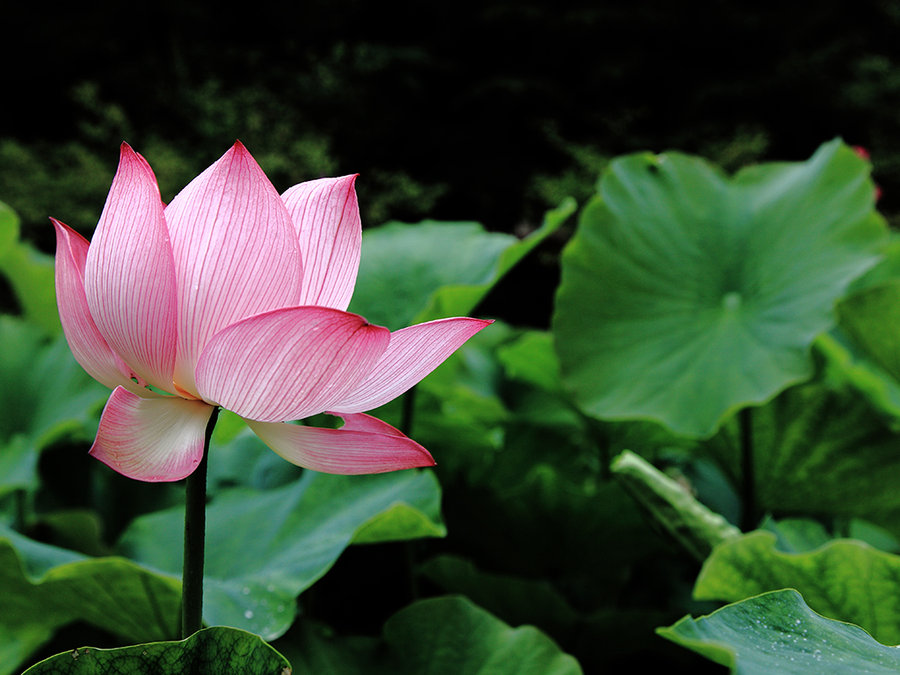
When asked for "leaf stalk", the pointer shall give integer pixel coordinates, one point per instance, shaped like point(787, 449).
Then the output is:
point(195, 540)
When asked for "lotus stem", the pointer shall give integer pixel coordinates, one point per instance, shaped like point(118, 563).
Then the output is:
point(195, 541)
point(407, 417)
point(408, 414)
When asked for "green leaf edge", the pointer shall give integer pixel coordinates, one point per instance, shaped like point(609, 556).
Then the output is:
point(721, 653)
point(193, 642)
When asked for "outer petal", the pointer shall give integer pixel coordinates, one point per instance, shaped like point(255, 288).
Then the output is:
point(326, 217)
point(411, 355)
point(236, 253)
point(289, 363)
point(85, 341)
point(156, 439)
point(363, 445)
point(129, 275)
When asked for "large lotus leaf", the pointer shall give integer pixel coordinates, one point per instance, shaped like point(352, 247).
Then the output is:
point(296, 533)
point(818, 449)
point(44, 587)
point(431, 270)
point(844, 579)
point(214, 651)
point(30, 274)
point(687, 295)
point(45, 395)
point(439, 636)
point(778, 633)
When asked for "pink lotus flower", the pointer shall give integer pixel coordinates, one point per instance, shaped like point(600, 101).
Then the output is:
point(235, 296)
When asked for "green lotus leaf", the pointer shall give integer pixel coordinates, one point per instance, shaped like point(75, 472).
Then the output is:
point(778, 633)
point(687, 295)
point(213, 651)
point(844, 579)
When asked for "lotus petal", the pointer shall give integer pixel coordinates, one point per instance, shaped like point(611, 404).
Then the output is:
point(129, 274)
point(363, 445)
point(236, 254)
point(88, 347)
point(326, 217)
point(289, 363)
point(151, 439)
point(412, 354)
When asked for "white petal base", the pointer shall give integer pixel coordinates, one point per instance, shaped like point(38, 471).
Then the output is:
point(151, 439)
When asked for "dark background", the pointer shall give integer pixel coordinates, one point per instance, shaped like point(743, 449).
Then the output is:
point(489, 111)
